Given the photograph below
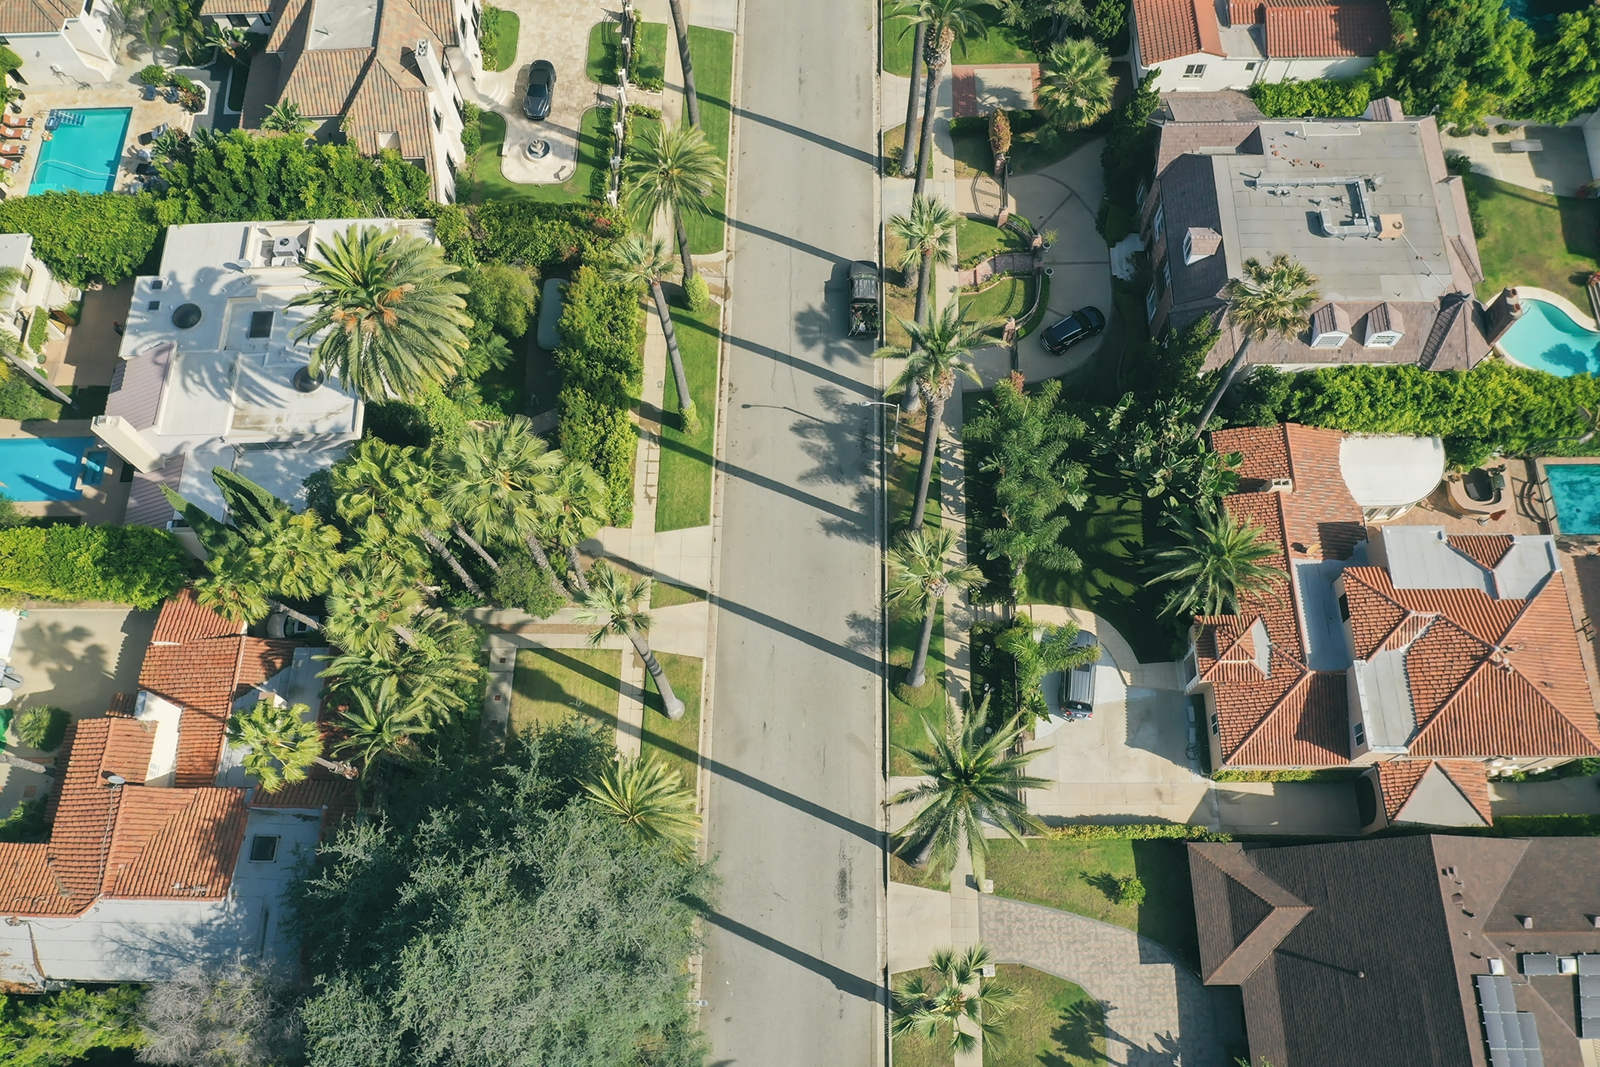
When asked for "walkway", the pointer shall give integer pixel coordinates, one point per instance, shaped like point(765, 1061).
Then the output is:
point(1158, 1013)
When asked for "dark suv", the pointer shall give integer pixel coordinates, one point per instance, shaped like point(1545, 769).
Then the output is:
point(541, 86)
point(1078, 326)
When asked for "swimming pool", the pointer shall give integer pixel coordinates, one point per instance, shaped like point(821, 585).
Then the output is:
point(1545, 338)
point(1576, 489)
point(46, 468)
point(83, 151)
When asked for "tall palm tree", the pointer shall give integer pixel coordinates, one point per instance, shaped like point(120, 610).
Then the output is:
point(929, 234)
point(579, 511)
point(937, 352)
point(390, 314)
point(1219, 561)
point(283, 742)
point(920, 572)
point(615, 608)
point(1270, 298)
point(672, 171)
point(680, 26)
point(947, 22)
point(965, 1002)
point(500, 482)
point(285, 117)
point(1075, 85)
point(910, 11)
point(296, 554)
point(386, 491)
point(974, 778)
point(371, 606)
point(436, 667)
point(637, 260)
point(378, 724)
point(237, 589)
point(650, 797)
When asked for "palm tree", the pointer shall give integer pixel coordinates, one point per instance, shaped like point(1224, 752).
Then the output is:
point(965, 1002)
point(936, 353)
point(928, 234)
point(370, 608)
point(680, 26)
point(297, 555)
point(1219, 561)
point(500, 482)
point(650, 797)
point(974, 778)
point(285, 117)
point(672, 171)
point(436, 667)
point(615, 609)
point(947, 21)
point(920, 572)
point(1270, 298)
point(1076, 87)
point(389, 312)
point(237, 589)
point(379, 724)
point(636, 260)
point(284, 743)
point(910, 11)
point(579, 511)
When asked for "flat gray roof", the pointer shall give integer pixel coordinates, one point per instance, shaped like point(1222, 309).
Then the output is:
point(344, 24)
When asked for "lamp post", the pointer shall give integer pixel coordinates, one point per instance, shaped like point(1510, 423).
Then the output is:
point(894, 437)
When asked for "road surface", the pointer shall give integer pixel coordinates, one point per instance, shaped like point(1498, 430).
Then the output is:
point(791, 960)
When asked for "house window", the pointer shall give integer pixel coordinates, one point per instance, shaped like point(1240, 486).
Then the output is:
point(1191, 668)
point(1151, 299)
point(1384, 339)
point(1361, 733)
point(1330, 339)
point(154, 305)
point(1344, 607)
point(1249, 66)
point(266, 18)
point(1194, 70)
point(263, 848)
point(239, 22)
point(260, 325)
point(1157, 222)
point(438, 120)
point(1166, 271)
point(1213, 724)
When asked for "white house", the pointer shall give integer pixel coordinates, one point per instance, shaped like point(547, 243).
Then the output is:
point(60, 42)
point(212, 374)
point(1209, 45)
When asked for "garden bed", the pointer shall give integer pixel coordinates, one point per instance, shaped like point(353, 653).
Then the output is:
point(500, 32)
point(649, 57)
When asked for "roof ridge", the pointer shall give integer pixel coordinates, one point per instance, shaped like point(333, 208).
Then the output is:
point(1484, 665)
point(1277, 705)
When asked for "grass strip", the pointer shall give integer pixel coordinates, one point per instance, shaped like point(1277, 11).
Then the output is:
point(713, 76)
point(675, 743)
point(683, 497)
point(552, 684)
point(649, 58)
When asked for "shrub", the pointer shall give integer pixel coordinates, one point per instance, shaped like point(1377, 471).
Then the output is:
point(1128, 155)
point(544, 236)
point(453, 228)
point(183, 82)
point(696, 294)
point(61, 1028)
point(39, 330)
point(1144, 831)
point(1322, 97)
point(506, 297)
point(43, 727)
point(84, 236)
point(1321, 774)
point(25, 825)
point(602, 325)
point(471, 131)
point(603, 437)
point(1129, 890)
point(999, 134)
point(136, 565)
point(21, 401)
point(154, 74)
point(521, 584)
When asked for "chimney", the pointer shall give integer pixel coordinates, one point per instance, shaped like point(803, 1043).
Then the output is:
point(1526, 921)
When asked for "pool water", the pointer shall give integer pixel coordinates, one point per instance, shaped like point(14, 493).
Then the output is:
point(83, 151)
point(1545, 338)
point(1576, 488)
point(44, 468)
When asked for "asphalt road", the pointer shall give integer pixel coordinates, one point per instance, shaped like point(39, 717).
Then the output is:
point(790, 968)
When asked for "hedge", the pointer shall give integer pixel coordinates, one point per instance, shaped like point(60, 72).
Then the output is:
point(1141, 831)
point(602, 327)
point(603, 437)
point(1322, 774)
point(85, 236)
point(542, 235)
point(1323, 98)
point(136, 565)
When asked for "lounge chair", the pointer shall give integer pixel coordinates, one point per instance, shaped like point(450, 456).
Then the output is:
point(16, 133)
point(14, 151)
point(20, 123)
point(149, 92)
point(9, 164)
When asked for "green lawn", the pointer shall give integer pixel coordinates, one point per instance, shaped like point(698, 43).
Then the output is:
point(488, 183)
point(665, 595)
point(1003, 299)
point(712, 51)
point(980, 239)
point(1535, 239)
point(649, 57)
point(1078, 876)
point(551, 684)
point(1057, 1024)
point(911, 1050)
point(997, 46)
point(675, 743)
point(905, 720)
point(505, 27)
point(684, 489)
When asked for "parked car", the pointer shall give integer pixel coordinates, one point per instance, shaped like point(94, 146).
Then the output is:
point(283, 626)
point(1077, 693)
point(1078, 326)
point(541, 87)
point(864, 298)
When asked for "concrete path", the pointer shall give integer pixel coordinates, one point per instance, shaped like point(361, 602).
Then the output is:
point(1558, 796)
point(1157, 1012)
point(919, 925)
point(1560, 167)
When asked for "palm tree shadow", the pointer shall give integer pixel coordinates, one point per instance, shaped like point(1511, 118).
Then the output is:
point(1076, 1033)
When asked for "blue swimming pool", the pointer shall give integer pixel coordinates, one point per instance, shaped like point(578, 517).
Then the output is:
point(1576, 488)
point(45, 468)
point(83, 151)
point(1545, 338)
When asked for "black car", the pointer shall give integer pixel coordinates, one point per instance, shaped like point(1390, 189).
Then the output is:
point(1078, 326)
point(541, 86)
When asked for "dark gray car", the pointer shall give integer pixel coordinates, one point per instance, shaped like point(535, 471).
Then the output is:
point(1078, 326)
point(541, 87)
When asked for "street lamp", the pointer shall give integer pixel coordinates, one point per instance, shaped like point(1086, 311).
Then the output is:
point(894, 436)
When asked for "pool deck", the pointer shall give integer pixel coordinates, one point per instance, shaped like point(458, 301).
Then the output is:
point(1523, 512)
point(103, 504)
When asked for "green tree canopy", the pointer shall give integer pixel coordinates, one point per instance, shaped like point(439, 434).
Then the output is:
point(1467, 58)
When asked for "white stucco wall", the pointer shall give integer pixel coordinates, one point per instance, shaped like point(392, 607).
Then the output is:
point(42, 51)
point(1226, 73)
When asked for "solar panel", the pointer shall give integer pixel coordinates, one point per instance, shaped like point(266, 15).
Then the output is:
point(1588, 1002)
point(1589, 963)
point(1512, 1035)
point(1540, 963)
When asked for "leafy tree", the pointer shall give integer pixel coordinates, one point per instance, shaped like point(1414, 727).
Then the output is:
point(1566, 70)
point(500, 483)
point(928, 235)
point(936, 353)
point(964, 1003)
point(615, 608)
point(297, 555)
point(649, 798)
point(670, 172)
point(920, 573)
point(435, 665)
point(1056, 648)
point(1219, 561)
point(82, 237)
point(974, 778)
point(489, 910)
point(371, 606)
point(503, 295)
point(1323, 97)
point(248, 504)
point(389, 315)
point(283, 743)
point(1154, 446)
point(527, 586)
point(579, 513)
point(1127, 158)
point(57, 1029)
point(945, 22)
point(1270, 298)
point(43, 727)
point(1076, 86)
point(634, 261)
point(1467, 58)
point(230, 1013)
point(378, 724)
point(285, 117)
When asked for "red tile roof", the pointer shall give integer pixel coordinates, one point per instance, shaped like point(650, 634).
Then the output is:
point(183, 619)
point(1305, 28)
point(1321, 519)
point(1171, 28)
point(1486, 550)
point(1398, 779)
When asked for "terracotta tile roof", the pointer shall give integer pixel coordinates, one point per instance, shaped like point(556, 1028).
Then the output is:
point(235, 7)
point(1398, 779)
point(1321, 519)
point(440, 17)
point(1307, 727)
point(1263, 450)
point(179, 843)
point(1486, 550)
point(1171, 28)
point(290, 26)
point(324, 80)
point(1309, 29)
point(37, 16)
point(183, 619)
point(323, 789)
point(1472, 778)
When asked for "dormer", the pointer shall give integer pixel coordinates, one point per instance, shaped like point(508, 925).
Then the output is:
point(1330, 326)
point(1200, 242)
point(1383, 327)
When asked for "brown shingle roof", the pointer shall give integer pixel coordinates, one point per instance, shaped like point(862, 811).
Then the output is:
point(36, 16)
point(1305, 28)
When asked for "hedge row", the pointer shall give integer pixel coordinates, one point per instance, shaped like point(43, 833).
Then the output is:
point(544, 236)
point(601, 358)
point(1143, 831)
point(1322, 98)
point(136, 565)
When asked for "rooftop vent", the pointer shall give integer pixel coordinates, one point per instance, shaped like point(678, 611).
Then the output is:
point(1526, 921)
point(187, 316)
point(1281, 485)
